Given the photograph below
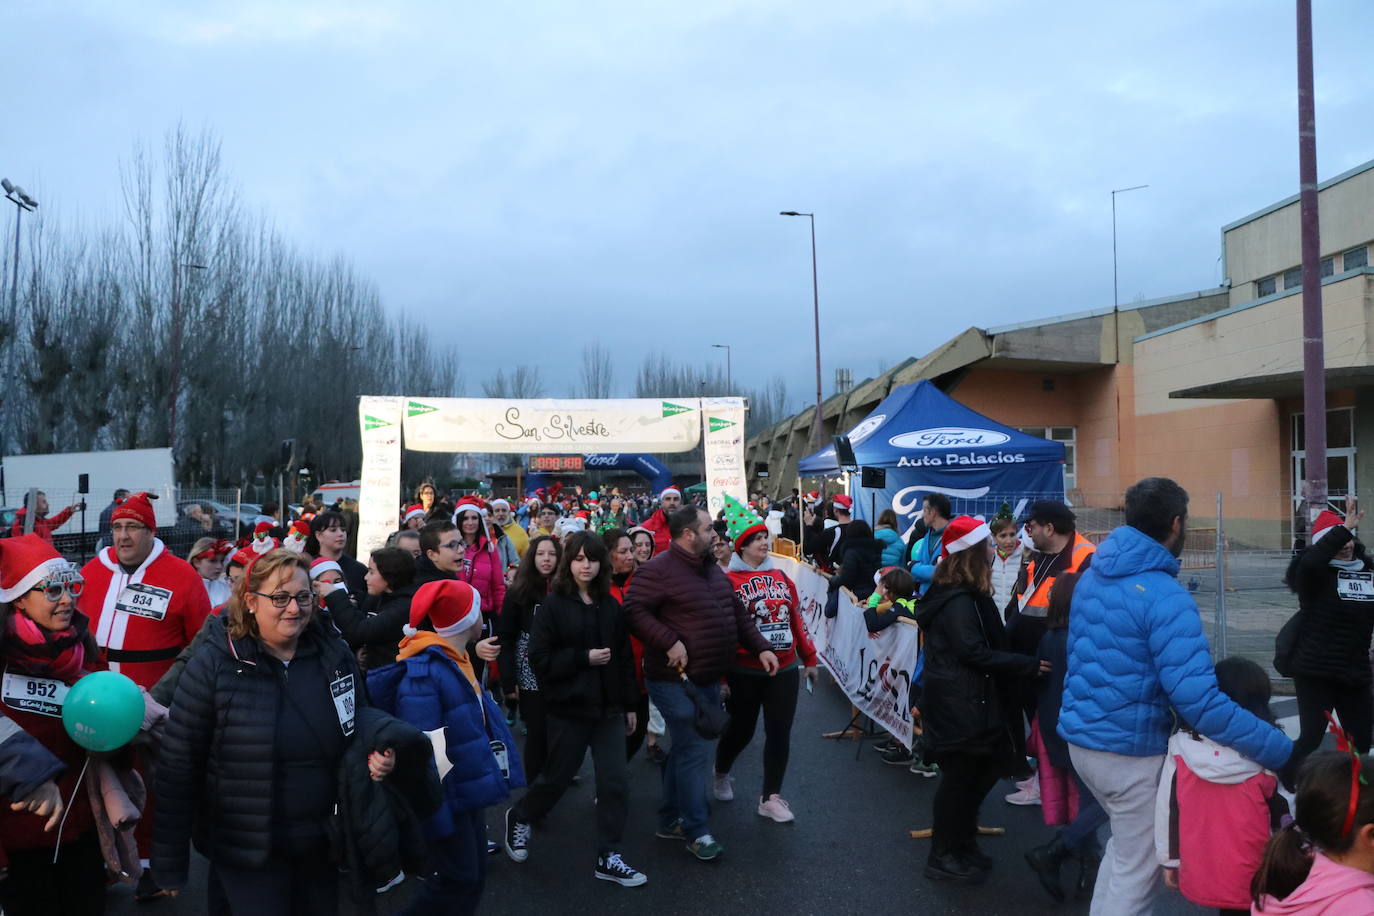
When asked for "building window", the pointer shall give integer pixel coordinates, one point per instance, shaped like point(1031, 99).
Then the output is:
point(1340, 456)
point(1355, 258)
point(1266, 287)
point(1292, 279)
point(1328, 266)
point(1067, 435)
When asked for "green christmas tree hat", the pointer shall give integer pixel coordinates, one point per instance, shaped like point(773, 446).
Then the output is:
point(741, 522)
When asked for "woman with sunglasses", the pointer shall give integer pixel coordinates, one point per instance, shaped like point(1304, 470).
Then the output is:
point(252, 755)
point(45, 646)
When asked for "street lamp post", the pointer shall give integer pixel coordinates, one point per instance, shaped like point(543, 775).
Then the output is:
point(1116, 299)
point(22, 201)
point(729, 383)
point(816, 304)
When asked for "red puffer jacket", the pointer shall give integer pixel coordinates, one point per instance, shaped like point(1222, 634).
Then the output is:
point(677, 596)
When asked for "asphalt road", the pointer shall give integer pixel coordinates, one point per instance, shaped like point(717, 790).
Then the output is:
point(847, 851)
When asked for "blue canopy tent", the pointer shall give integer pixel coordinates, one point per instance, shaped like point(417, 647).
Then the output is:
point(930, 443)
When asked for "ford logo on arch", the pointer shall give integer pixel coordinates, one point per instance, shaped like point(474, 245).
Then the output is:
point(949, 437)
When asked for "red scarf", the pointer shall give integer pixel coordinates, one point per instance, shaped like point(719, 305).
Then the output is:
point(45, 653)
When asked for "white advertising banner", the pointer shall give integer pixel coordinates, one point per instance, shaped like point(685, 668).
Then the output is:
point(722, 430)
point(873, 671)
point(379, 419)
point(496, 425)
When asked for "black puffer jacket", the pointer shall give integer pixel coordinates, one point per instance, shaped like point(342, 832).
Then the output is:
point(563, 632)
point(860, 560)
point(1333, 631)
point(374, 629)
point(379, 831)
point(965, 706)
point(220, 766)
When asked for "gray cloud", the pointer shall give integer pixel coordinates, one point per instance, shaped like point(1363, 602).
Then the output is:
point(556, 172)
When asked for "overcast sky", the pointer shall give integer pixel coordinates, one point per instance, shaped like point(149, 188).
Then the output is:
point(554, 172)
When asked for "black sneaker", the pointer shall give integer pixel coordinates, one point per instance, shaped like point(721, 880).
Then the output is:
point(898, 757)
point(147, 889)
point(517, 838)
point(885, 746)
point(611, 867)
point(672, 831)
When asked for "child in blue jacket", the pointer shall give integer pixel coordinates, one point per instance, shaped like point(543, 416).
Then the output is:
point(432, 686)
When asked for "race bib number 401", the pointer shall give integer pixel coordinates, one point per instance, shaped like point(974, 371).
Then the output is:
point(144, 601)
point(42, 695)
point(1355, 586)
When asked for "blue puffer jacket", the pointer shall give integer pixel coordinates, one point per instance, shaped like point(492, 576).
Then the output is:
point(924, 558)
point(1136, 648)
point(428, 691)
point(893, 546)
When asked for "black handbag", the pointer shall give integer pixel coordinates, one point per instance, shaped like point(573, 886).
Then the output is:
point(1286, 645)
point(712, 719)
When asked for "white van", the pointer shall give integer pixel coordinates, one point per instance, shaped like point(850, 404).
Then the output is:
point(327, 493)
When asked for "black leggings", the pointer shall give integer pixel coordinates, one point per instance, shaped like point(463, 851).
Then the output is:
point(965, 780)
point(536, 733)
point(1353, 706)
point(74, 886)
point(635, 739)
point(777, 697)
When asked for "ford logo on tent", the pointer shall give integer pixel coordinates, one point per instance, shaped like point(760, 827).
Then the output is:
point(949, 437)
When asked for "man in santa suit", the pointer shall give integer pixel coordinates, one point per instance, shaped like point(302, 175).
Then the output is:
point(669, 501)
point(145, 605)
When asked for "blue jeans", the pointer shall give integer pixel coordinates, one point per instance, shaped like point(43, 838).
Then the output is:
point(460, 861)
point(689, 758)
point(1080, 835)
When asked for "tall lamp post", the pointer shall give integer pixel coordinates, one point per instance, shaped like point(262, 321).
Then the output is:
point(816, 304)
point(22, 201)
point(1116, 298)
point(729, 383)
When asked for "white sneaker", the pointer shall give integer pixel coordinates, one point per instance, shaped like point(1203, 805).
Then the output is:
point(724, 788)
point(774, 807)
point(1027, 792)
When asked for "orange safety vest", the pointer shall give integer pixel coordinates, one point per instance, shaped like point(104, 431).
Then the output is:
point(1037, 604)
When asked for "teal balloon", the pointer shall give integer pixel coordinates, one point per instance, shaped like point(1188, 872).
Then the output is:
point(103, 711)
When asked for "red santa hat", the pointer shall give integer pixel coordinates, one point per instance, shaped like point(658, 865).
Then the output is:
point(24, 562)
point(844, 501)
point(1324, 523)
point(415, 511)
point(322, 566)
point(673, 490)
point(139, 508)
point(962, 533)
point(262, 539)
point(450, 605)
point(243, 556)
point(296, 536)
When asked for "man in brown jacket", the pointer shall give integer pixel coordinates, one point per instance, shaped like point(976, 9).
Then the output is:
point(682, 607)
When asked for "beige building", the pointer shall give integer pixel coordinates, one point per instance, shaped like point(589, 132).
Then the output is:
point(1204, 387)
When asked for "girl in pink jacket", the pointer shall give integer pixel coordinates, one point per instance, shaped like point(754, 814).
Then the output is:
point(1323, 863)
point(1216, 809)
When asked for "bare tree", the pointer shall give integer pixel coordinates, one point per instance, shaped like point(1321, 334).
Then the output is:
point(522, 382)
point(598, 369)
